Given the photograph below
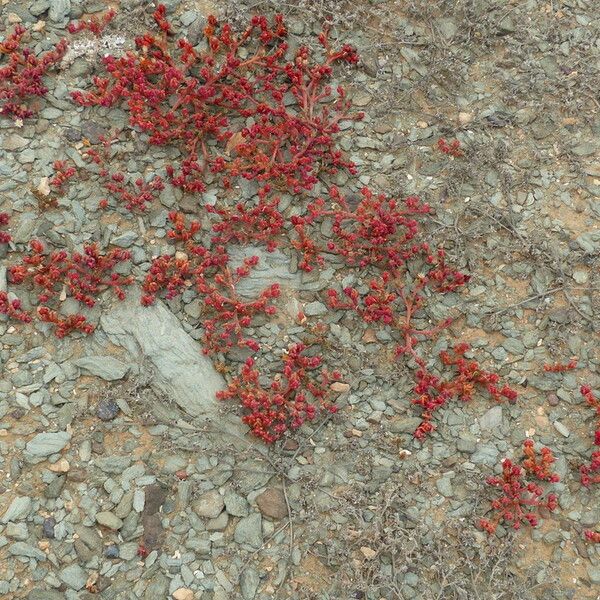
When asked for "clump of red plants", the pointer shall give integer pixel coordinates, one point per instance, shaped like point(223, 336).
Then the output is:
point(590, 473)
point(245, 106)
point(53, 276)
point(201, 101)
point(434, 392)
point(295, 395)
point(558, 367)
point(452, 148)
point(5, 237)
point(208, 271)
point(22, 73)
point(520, 494)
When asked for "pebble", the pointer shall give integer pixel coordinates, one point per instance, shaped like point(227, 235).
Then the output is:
point(59, 10)
point(109, 519)
point(107, 410)
point(48, 527)
point(18, 509)
point(249, 531)
point(271, 503)
point(209, 505)
point(105, 367)
point(46, 444)
point(492, 419)
point(249, 581)
point(562, 429)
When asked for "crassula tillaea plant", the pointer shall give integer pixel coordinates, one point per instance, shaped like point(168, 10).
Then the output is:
point(22, 73)
point(520, 495)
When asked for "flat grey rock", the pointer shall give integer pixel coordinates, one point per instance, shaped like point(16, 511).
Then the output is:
point(105, 367)
point(18, 509)
point(27, 550)
point(47, 443)
point(108, 519)
point(74, 576)
point(38, 594)
point(249, 531)
point(492, 418)
point(273, 267)
point(59, 10)
point(182, 373)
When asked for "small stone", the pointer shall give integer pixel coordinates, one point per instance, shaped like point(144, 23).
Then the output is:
point(24, 549)
point(444, 487)
point(183, 594)
point(46, 444)
point(139, 500)
point(111, 551)
point(492, 418)
point(219, 523)
point(249, 581)
point(107, 410)
point(14, 142)
point(109, 520)
point(48, 527)
point(339, 387)
point(18, 509)
point(236, 505)
point(361, 98)
point(60, 466)
point(562, 429)
point(105, 367)
point(249, 531)
point(209, 505)
point(368, 553)
point(553, 400)
point(59, 10)
point(73, 576)
point(594, 574)
point(271, 503)
point(17, 531)
point(39, 594)
point(315, 309)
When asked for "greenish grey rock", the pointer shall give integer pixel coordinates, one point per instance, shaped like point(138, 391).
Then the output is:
point(18, 509)
point(39, 594)
point(486, 454)
point(236, 505)
point(562, 429)
point(492, 419)
point(444, 487)
point(59, 10)
point(249, 581)
point(47, 443)
point(27, 550)
point(209, 505)
point(17, 531)
point(74, 577)
point(249, 531)
point(109, 519)
point(105, 367)
point(182, 373)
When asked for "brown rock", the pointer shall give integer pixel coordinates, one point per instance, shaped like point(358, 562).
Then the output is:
point(340, 387)
point(271, 503)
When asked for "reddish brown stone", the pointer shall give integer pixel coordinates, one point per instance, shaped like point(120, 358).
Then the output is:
point(271, 503)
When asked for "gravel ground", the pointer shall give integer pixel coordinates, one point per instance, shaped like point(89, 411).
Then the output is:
point(102, 449)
